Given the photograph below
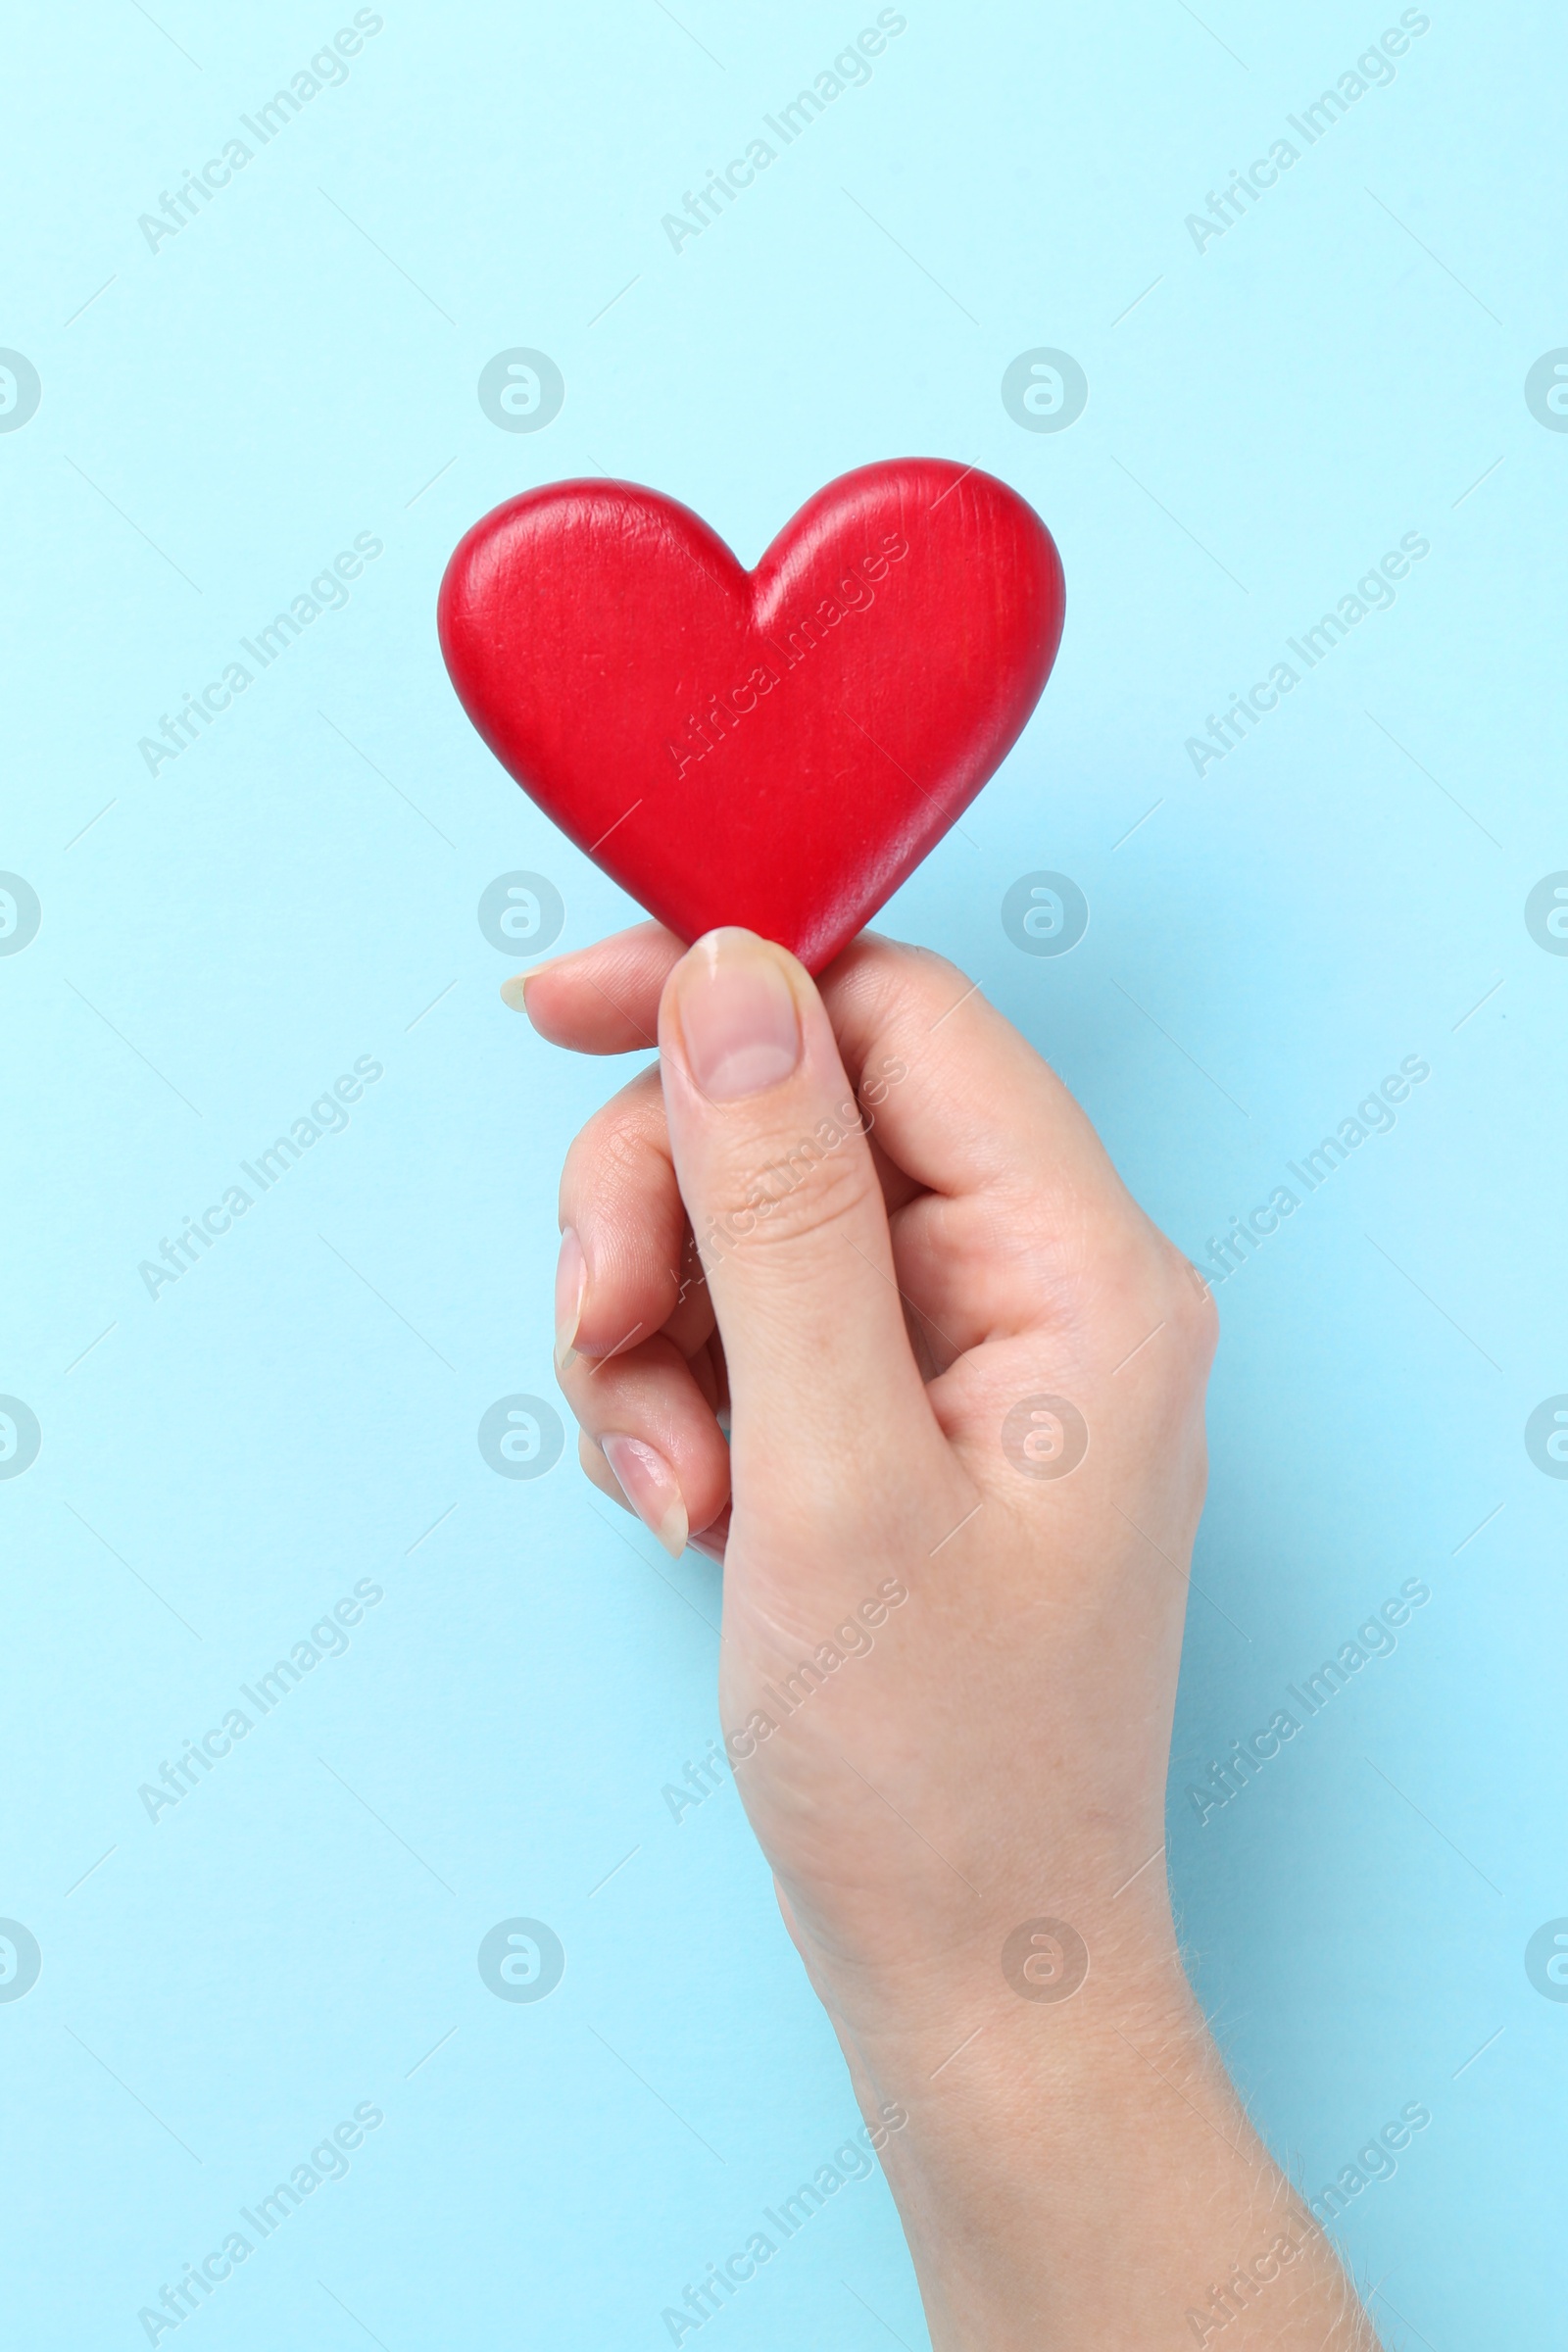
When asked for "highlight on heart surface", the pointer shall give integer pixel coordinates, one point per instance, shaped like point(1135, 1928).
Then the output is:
point(776, 747)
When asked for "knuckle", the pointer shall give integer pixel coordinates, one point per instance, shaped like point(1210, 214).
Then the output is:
point(624, 1146)
point(799, 1191)
point(1188, 1302)
point(595, 1468)
point(1132, 1283)
point(932, 982)
point(602, 1389)
point(889, 980)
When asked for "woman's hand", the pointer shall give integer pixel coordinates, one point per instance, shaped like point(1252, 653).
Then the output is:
point(962, 1376)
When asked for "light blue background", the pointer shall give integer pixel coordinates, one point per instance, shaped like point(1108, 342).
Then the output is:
point(299, 889)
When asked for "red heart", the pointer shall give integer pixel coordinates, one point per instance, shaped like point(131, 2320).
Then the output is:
point(777, 747)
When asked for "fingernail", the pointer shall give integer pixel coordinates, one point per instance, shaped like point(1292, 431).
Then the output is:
point(650, 1486)
point(737, 1016)
point(572, 1281)
point(515, 992)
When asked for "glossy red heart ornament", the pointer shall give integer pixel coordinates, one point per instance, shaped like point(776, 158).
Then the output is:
point(776, 747)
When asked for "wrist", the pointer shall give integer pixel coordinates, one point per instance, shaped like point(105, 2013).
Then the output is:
point(1080, 2170)
point(1055, 1980)
point(1051, 2144)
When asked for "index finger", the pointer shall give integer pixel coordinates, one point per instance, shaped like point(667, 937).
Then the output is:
point(961, 1101)
point(602, 999)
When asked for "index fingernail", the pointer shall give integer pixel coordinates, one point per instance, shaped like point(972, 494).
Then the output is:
point(515, 992)
point(572, 1283)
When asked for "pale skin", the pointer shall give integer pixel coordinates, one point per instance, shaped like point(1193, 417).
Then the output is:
point(866, 1311)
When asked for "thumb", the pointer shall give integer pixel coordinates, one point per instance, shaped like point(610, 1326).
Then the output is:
point(787, 1210)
